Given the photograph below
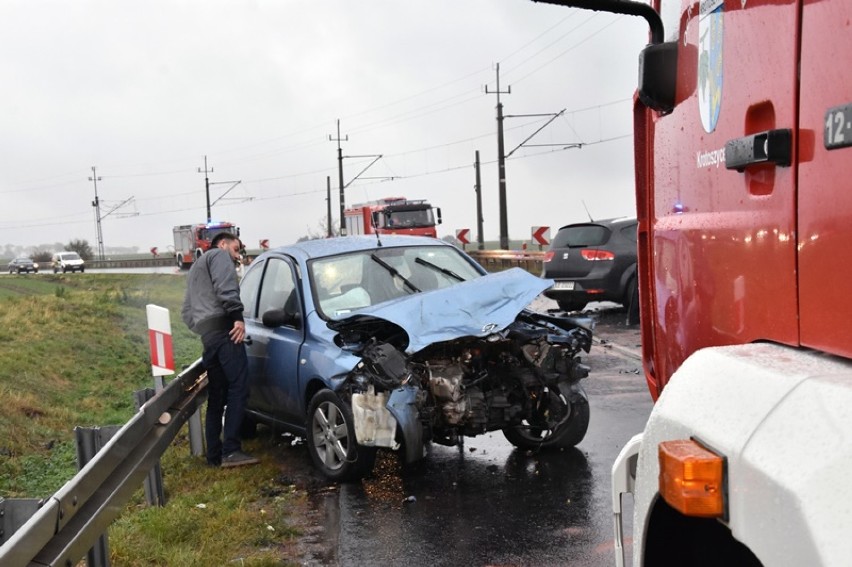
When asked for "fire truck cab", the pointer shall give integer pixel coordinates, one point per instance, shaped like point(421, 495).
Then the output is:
point(192, 240)
point(393, 215)
point(743, 149)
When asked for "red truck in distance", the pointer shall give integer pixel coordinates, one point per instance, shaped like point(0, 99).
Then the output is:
point(393, 215)
point(192, 240)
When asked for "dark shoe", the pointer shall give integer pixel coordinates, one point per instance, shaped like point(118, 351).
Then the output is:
point(238, 459)
point(214, 463)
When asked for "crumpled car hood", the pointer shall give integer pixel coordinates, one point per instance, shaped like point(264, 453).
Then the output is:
point(475, 308)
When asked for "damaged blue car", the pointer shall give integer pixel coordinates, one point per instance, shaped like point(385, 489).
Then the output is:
point(358, 344)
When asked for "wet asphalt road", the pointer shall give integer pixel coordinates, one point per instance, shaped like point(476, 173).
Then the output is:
point(489, 504)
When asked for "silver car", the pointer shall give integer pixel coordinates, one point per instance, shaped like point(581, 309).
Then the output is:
point(23, 265)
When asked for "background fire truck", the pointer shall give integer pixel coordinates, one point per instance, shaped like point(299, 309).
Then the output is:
point(192, 240)
point(393, 215)
point(743, 149)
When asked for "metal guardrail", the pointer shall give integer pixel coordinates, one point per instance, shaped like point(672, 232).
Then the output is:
point(69, 523)
point(162, 261)
point(499, 260)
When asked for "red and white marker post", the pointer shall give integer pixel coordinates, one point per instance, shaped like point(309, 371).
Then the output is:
point(160, 338)
point(163, 364)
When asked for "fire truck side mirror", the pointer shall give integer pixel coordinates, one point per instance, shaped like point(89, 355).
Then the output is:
point(438, 213)
point(374, 219)
point(658, 76)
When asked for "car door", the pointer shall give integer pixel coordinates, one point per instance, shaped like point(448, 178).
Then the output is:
point(274, 352)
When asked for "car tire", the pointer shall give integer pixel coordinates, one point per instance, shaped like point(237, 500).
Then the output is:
point(571, 304)
point(631, 302)
point(82, 269)
point(179, 261)
point(567, 435)
point(331, 439)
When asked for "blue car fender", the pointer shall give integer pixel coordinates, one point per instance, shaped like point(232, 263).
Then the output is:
point(402, 406)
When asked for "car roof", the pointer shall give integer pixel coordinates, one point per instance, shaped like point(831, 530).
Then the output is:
point(616, 222)
point(322, 247)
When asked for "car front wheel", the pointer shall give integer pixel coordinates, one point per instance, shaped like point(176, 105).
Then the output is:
point(331, 439)
point(533, 435)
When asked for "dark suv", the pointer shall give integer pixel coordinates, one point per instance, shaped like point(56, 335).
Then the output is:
point(593, 261)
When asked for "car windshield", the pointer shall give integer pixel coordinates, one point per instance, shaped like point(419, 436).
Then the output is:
point(70, 256)
point(413, 218)
point(357, 280)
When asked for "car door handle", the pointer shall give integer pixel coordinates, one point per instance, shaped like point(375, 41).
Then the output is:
point(771, 146)
point(247, 341)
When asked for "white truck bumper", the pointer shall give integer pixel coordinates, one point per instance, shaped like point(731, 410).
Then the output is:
point(623, 482)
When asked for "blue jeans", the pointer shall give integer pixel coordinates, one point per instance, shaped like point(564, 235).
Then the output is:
point(227, 386)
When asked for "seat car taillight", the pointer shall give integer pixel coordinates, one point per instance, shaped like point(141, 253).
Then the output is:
point(692, 478)
point(548, 256)
point(595, 255)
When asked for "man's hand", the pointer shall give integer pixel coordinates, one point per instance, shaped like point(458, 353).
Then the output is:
point(238, 333)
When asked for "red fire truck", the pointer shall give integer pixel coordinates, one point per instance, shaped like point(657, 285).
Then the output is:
point(393, 215)
point(743, 149)
point(192, 240)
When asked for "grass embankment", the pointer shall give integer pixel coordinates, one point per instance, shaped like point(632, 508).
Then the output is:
point(73, 349)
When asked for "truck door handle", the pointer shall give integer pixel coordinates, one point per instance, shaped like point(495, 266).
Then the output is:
point(771, 146)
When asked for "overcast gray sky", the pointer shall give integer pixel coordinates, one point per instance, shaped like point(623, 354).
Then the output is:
point(144, 90)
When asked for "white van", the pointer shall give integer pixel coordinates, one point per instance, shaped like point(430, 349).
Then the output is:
point(67, 262)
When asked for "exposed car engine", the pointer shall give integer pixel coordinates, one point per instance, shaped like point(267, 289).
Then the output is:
point(524, 378)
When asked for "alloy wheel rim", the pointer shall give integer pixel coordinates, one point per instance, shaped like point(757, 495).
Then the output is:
point(331, 435)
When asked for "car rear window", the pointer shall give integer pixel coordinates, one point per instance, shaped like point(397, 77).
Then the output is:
point(581, 235)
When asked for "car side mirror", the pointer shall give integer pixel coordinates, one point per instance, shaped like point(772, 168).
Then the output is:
point(279, 318)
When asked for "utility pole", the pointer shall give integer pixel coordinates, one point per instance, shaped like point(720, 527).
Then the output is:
point(208, 183)
point(97, 205)
point(328, 203)
point(478, 188)
point(340, 175)
point(207, 187)
point(501, 164)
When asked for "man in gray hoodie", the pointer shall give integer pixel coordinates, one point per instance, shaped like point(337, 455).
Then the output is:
point(212, 309)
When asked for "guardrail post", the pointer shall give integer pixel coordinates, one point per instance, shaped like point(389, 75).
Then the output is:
point(154, 493)
point(14, 513)
point(90, 440)
point(196, 436)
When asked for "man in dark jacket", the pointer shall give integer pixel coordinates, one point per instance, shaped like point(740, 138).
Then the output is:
point(212, 309)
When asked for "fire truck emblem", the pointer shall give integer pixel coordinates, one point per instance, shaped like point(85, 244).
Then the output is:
point(710, 62)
